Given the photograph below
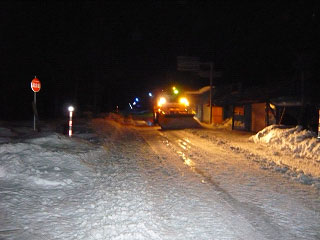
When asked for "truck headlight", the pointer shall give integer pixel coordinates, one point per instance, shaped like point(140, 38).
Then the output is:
point(184, 101)
point(161, 101)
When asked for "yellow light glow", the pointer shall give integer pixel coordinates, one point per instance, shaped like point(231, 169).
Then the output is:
point(161, 101)
point(184, 101)
point(272, 106)
point(175, 90)
point(188, 162)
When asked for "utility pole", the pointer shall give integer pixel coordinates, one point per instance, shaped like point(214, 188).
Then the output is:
point(210, 100)
point(301, 116)
point(211, 83)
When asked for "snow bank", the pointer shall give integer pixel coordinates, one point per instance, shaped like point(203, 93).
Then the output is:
point(303, 143)
point(227, 123)
point(131, 120)
point(46, 177)
point(6, 132)
point(33, 159)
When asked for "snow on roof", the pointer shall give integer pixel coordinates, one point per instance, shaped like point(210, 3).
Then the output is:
point(200, 91)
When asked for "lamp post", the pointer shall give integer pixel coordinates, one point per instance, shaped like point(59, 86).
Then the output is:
point(71, 110)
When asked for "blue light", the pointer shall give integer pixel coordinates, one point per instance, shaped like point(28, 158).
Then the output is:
point(150, 94)
point(137, 99)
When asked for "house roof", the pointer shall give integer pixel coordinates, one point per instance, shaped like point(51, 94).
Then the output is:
point(285, 92)
point(200, 91)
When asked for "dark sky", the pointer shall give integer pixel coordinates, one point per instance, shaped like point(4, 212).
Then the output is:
point(99, 54)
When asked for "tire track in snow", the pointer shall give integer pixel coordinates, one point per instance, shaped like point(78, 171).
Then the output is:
point(177, 159)
point(192, 153)
point(177, 197)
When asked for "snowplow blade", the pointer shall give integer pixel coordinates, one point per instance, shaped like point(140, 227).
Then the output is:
point(178, 121)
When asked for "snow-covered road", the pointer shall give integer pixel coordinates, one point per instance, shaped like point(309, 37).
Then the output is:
point(122, 182)
point(253, 201)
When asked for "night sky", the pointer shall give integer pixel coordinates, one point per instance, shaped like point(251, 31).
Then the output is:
point(100, 54)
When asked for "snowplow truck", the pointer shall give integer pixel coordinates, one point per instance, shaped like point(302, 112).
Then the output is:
point(172, 111)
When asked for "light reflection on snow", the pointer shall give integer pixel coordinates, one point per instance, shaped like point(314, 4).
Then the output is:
point(166, 142)
point(187, 140)
point(184, 144)
point(187, 161)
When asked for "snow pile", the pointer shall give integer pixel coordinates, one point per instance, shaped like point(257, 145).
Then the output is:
point(5, 134)
point(45, 178)
point(39, 160)
point(225, 124)
point(302, 143)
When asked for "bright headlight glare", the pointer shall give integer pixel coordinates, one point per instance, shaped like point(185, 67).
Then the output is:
point(161, 101)
point(184, 101)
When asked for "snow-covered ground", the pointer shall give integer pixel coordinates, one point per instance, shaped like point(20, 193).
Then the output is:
point(121, 182)
point(277, 146)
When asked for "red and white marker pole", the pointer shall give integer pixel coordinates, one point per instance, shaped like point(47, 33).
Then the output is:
point(319, 125)
point(71, 109)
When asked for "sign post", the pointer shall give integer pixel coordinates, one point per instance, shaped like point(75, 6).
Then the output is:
point(35, 86)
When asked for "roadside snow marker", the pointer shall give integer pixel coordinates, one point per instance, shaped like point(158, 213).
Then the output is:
point(71, 109)
point(319, 125)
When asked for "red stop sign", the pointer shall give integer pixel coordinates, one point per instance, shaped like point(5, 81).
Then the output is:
point(35, 85)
